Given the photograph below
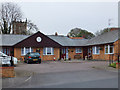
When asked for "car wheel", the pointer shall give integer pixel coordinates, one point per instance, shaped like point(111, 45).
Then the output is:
point(27, 62)
point(39, 62)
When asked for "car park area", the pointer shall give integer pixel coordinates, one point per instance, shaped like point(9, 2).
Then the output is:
point(60, 74)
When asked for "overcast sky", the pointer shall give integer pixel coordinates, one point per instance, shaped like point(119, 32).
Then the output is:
point(61, 17)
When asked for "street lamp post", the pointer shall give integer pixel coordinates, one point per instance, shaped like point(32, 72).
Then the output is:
point(109, 23)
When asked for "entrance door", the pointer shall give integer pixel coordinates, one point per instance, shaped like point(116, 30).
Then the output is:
point(64, 53)
point(85, 52)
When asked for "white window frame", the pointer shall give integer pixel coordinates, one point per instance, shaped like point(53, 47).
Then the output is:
point(24, 51)
point(95, 48)
point(109, 49)
point(52, 51)
point(77, 51)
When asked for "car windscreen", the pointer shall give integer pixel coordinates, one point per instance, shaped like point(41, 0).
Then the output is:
point(34, 54)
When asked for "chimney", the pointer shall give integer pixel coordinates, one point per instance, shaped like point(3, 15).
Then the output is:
point(76, 37)
point(112, 29)
point(56, 34)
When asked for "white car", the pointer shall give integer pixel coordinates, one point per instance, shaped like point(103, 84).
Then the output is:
point(5, 59)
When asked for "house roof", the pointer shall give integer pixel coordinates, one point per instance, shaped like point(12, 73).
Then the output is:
point(10, 39)
point(108, 37)
point(65, 41)
point(38, 40)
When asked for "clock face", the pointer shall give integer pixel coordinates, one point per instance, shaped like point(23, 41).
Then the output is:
point(38, 39)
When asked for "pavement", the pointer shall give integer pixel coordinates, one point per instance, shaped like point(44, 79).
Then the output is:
point(61, 73)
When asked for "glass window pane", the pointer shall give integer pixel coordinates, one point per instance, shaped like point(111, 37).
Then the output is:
point(97, 50)
point(106, 49)
point(31, 49)
point(64, 51)
point(5, 51)
point(44, 51)
point(27, 50)
point(22, 51)
point(111, 48)
point(93, 49)
point(49, 51)
point(78, 50)
point(89, 50)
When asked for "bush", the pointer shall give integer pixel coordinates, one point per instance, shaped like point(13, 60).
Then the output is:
point(113, 65)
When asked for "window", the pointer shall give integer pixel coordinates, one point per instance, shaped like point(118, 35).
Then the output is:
point(44, 51)
point(63, 51)
point(93, 50)
point(89, 50)
point(78, 50)
point(6, 51)
point(22, 51)
point(31, 50)
point(106, 49)
point(109, 49)
point(48, 51)
point(96, 50)
point(26, 50)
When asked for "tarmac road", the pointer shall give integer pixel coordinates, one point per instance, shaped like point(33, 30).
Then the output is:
point(80, 78)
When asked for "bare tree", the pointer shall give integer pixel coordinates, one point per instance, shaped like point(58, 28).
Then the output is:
point(9, 12)
point(31, 27)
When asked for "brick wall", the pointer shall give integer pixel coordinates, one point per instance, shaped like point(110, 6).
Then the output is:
point(72, 53)
point(7, 72)
point(51, 57)
point(19, 27)
point(17, 54)
point(103, 56)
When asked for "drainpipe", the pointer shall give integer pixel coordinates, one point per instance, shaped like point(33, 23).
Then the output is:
point(118, 59)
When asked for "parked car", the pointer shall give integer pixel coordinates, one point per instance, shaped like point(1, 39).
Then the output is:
point(32, 57)
point(5, 59)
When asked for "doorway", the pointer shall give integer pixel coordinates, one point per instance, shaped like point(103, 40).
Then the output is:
point(85, 52)
point(64, 53)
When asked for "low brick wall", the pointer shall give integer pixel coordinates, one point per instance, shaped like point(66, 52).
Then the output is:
point(7, 72)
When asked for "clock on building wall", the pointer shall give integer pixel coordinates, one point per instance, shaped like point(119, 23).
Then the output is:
point(38, 39)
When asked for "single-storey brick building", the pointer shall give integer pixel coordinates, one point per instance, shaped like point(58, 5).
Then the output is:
point(102, 47)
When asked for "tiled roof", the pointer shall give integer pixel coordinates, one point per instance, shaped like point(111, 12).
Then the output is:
point(65, 41)
point(109, 37)
point(10, 39)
